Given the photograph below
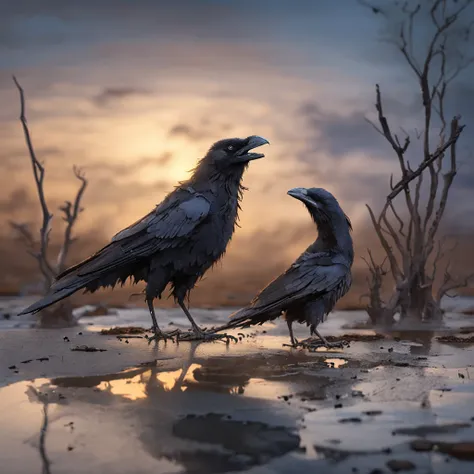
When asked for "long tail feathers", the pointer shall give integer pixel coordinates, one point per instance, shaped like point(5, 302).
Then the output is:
point(74, 279)
point(49, 299)
point(245, 318)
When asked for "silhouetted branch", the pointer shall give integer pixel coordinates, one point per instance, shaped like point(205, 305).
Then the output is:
point(38, 172)
point(396, 273)
point(23, 230)
point(449, 284)
point(70, 210)
point(71, 213)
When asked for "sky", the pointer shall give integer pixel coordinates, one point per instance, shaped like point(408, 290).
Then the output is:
point(135, 92)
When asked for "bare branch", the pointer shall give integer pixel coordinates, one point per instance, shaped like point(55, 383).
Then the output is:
point(377, 129)
point(438, 256)
point(396, 273)
point(71, 213)
point(448, 180)
point(403, 183)
point(393, 233)
point(450, 284)
point(406, 45)
point(24, 231)
point(38, 172)
point(375, 9)
point(399, 150)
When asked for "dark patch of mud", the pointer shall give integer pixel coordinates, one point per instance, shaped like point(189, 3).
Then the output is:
point(356, 338)
point(122, 331)
point(245, 444)
point(399, 465)
point(463, 450)
point(335, 454)
point(460, 450)
point(84, 348)
point(432, 429)
point(453, 339)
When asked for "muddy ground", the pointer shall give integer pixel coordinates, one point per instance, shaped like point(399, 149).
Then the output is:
point(403, 402)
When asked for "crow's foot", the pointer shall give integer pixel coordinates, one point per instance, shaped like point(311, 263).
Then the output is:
point(163, 336)
point(205, 336)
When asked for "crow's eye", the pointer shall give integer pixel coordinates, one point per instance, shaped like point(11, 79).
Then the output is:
point(230, 147)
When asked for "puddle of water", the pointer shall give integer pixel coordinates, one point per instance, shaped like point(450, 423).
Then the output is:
point(335, 363)
point(81, 411)
point(135, 387)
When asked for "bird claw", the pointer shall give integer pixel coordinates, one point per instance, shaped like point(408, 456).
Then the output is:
point(312, 344)
point(206, 336)
point(163, 336)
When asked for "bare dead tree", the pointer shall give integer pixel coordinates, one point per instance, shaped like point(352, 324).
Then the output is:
point(409, 237)
point(39, 249)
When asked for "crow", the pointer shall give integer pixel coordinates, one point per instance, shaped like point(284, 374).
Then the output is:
point(177, 242)
point(309, 289)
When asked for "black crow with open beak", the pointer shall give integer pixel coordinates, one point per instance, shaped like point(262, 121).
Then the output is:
point(177, 242)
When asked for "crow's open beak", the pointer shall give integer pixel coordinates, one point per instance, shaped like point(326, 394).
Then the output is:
point(302, 195)
point(252, 142)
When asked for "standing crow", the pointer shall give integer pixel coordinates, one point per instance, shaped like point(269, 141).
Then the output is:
point(309, 289)
point(175, 243)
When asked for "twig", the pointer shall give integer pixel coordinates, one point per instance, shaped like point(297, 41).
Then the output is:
point(451, 284)
point(395, 269)
point(71, 213)
point(24, 231)
point(403, 183)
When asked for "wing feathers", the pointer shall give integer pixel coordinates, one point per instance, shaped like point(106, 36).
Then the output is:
point(311, 275)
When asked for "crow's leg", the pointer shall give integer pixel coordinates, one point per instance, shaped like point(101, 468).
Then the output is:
point(314, 312)
point(293, 340)
point(158, 333)
point(326, 343)
point(312, 343)
point(198, 333)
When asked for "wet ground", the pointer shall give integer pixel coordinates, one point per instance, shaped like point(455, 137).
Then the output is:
point(402, 402)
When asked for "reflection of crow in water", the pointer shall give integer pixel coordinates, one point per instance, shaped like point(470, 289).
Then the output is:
point(211, 375)
point(177, 242)
point(309, 289)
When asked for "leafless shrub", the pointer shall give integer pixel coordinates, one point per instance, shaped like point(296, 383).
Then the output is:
point(39, 248)
point(409, 242)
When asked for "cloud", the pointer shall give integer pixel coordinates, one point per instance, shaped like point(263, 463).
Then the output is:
point(17, 158)
point(205, 131)
point(113, 169)
point(164, 158)
point(340, 135)
point(16, 201)
point(117, 94)
point(182, 129)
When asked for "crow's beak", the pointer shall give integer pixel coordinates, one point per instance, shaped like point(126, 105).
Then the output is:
point(252, 142)
point(302, 195)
